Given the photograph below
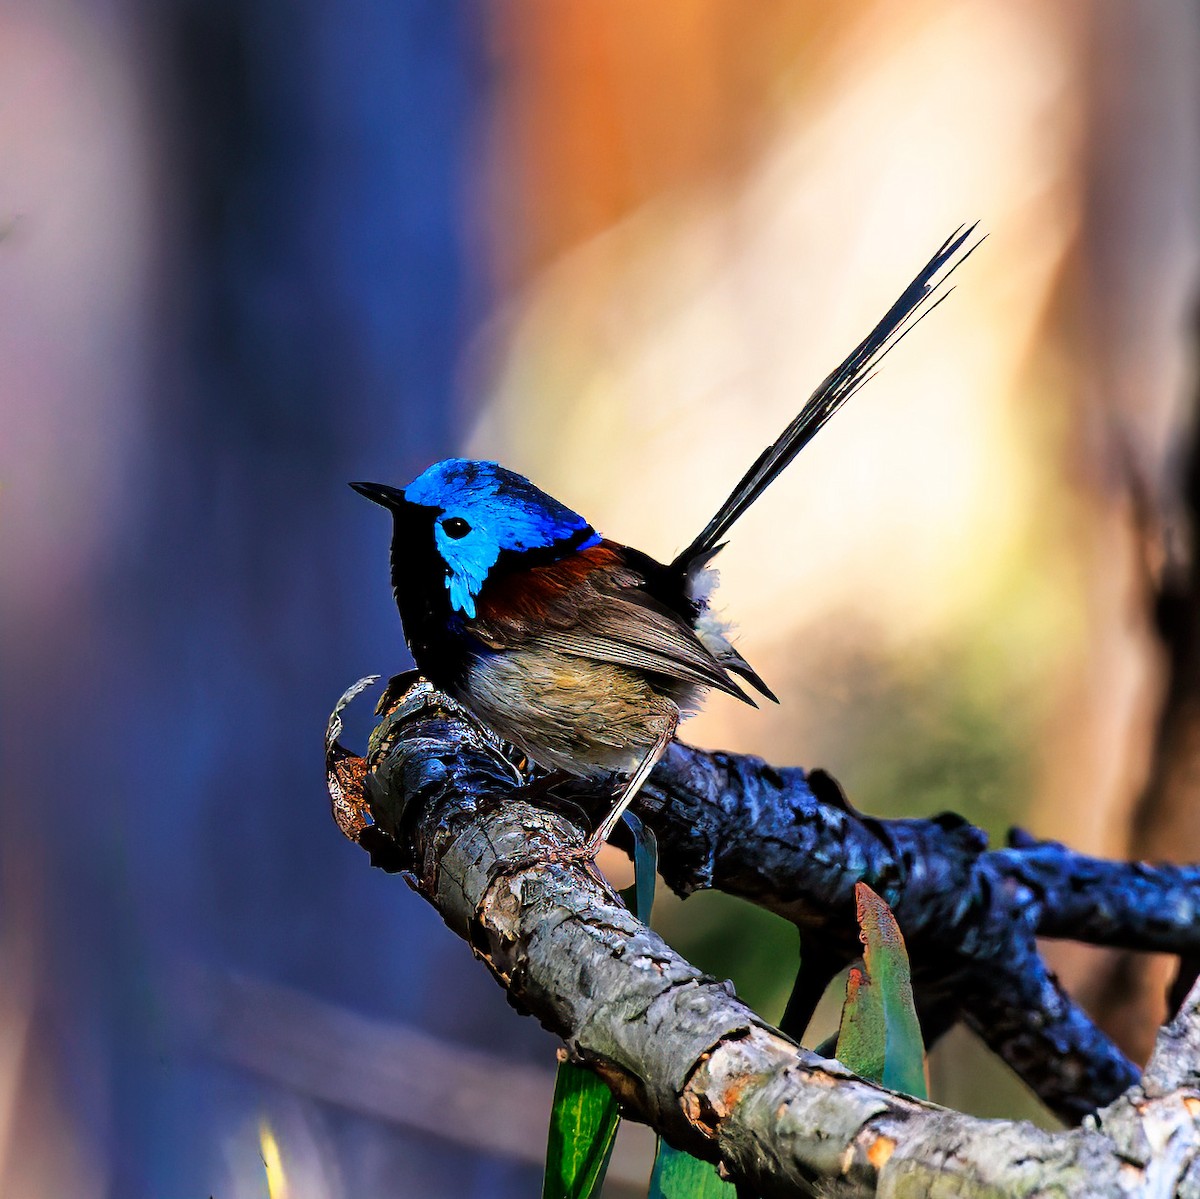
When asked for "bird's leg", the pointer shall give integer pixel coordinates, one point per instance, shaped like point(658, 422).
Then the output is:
point(589, 849)
point(631, 788)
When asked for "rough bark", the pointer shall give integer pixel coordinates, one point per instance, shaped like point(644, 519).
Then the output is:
point(436, 800)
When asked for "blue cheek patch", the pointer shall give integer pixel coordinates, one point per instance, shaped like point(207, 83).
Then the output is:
point(462, 599)
point(469, 561)
point(466, 577)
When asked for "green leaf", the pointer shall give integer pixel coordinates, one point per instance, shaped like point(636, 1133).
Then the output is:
point(583, 1127)
point(880, 1037)
point(678, 1175)
point(645, 865)
point(862, 1038)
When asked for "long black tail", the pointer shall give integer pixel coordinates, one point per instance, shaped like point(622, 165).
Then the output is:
point(915, 303)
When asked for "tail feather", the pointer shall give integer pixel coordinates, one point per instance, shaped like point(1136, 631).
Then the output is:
point(916, 302)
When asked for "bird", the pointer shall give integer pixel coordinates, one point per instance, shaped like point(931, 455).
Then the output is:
point(582, 652)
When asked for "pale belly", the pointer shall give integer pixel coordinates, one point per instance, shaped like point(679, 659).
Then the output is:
point(570, 713)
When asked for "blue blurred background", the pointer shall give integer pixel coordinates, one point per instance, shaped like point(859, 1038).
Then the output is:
point(252, 251)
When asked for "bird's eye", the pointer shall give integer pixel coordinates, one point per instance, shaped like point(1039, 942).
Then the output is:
point(456, 527)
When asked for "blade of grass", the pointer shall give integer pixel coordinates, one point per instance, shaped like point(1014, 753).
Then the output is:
point(862, 1037)
point(678, 1175)
point(880, 1037)
point(645, 866)
point(583, 1128)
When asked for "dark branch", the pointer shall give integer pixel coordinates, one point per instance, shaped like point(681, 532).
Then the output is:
point(1124, 905)
point(789, 841)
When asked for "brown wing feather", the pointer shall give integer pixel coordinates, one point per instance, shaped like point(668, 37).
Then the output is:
point(593, 605)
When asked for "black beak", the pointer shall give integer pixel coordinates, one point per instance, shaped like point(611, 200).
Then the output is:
point(390, 497)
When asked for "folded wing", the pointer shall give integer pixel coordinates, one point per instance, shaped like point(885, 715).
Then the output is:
point(594, 604)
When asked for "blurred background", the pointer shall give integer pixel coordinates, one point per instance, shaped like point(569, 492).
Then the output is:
point(253, 250)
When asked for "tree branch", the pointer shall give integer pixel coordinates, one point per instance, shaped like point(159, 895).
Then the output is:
point(791, 842)
point(436, 800)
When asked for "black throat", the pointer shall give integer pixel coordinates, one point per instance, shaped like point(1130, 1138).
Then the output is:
point(438, 643)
